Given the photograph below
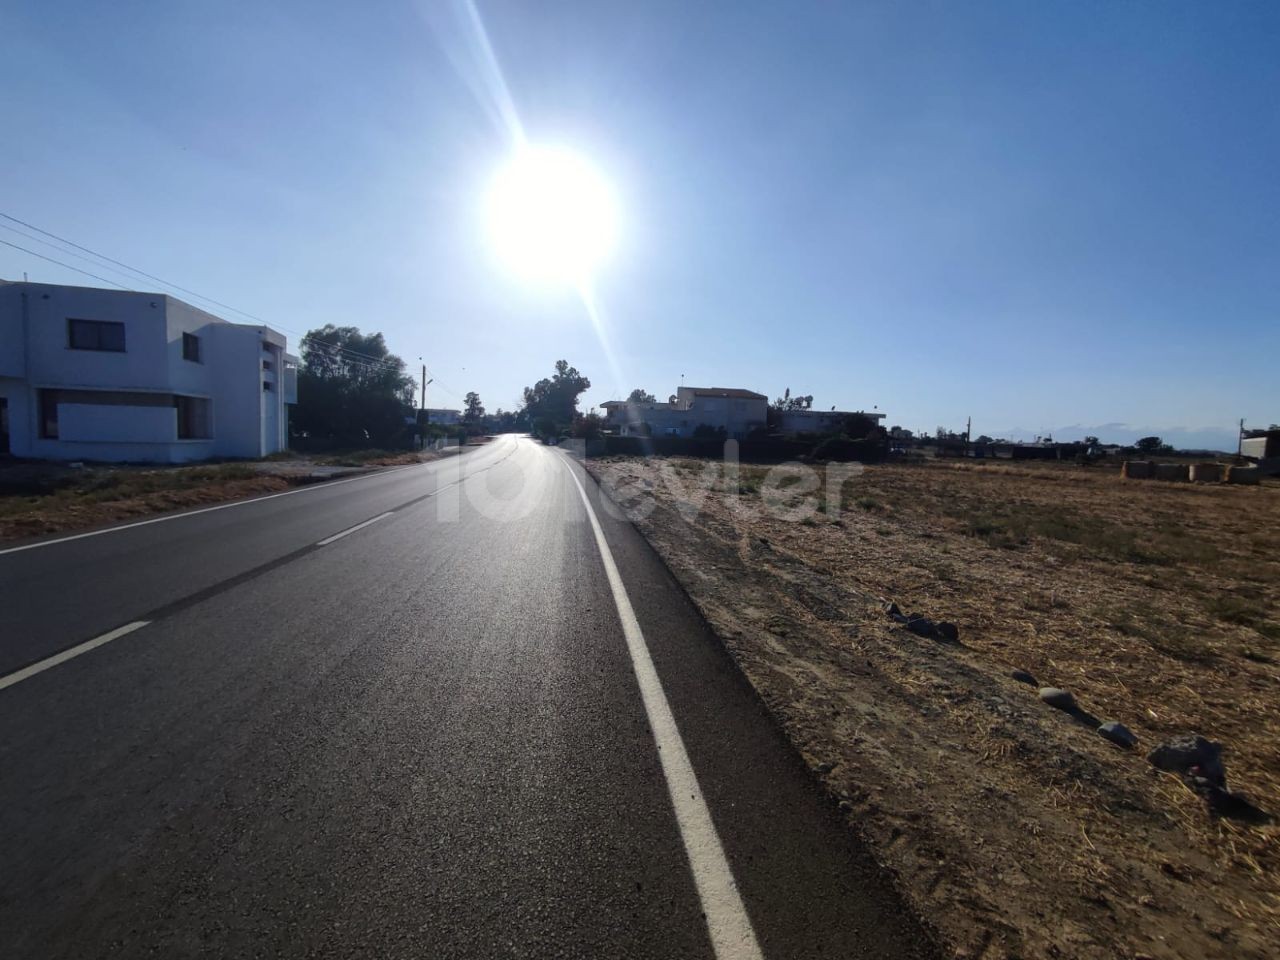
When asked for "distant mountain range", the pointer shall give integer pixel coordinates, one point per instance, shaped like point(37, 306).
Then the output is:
point(1182, 438)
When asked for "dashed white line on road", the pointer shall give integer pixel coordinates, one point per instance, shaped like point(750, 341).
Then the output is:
point(350, 530)
point(43, 665)
point(732, 937)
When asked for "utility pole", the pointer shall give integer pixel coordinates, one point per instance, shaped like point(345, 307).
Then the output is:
point(423, 405)
point(1240, 439)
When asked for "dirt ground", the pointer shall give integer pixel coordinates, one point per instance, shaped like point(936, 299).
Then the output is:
point(40, 498)
point(1014, 827)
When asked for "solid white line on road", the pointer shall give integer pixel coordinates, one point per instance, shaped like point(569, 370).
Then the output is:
point(222, 506)
point(350, 530)
point(732, 937)
point(65, 655)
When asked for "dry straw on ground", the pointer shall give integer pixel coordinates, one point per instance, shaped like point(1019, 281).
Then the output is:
point(1019, 829)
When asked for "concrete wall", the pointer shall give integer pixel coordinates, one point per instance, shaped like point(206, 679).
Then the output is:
point(1259, 448)
point(236, 353)
point(115, 424)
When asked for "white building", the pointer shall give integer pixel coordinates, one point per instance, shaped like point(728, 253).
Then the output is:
point(91, 374)
point(444, 416)
point(735, 411)
point(791, 422)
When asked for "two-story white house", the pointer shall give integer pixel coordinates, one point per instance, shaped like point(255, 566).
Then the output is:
point(93, 374)
point(734, 411)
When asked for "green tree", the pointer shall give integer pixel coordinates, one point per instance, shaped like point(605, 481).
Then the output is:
point(1152, 445)
point(788, 402)
point(587, 426)
point(474, 413)
point(352, 391)
point(859, 425)
point(640, 396)
point(553, 402)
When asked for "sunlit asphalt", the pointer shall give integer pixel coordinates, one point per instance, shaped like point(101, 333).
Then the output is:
point(421, 739)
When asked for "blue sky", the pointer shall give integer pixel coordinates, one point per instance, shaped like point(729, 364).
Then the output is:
point(1038, 214)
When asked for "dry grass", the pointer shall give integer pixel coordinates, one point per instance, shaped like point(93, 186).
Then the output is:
point(1156, 604)
point(44, 498)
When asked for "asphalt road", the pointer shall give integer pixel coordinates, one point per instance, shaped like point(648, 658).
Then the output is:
point(430, 737)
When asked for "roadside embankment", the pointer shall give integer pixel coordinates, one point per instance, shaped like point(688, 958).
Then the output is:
point(959, 730)
point(39, 498)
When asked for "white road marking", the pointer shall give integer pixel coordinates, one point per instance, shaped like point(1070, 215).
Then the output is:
point(65, 655)
point(350, 530)
point(732, 937)
point(221, 506)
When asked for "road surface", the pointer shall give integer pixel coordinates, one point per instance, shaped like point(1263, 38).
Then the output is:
point(449, 710)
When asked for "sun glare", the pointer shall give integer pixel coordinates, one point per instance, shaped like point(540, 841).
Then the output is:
point(552, 216)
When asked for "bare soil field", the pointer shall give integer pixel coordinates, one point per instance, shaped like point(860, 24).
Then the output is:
point(1014, 827)
point(38, 498)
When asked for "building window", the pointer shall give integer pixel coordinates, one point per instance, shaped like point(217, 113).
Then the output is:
point(266, 365)
point(193, 418)
point(266, 385)
point(95, 335)
point(191, 347)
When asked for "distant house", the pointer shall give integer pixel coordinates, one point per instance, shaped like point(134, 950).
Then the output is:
point(791, 422)
point(734, 411)
point(92, 374)
point(442, 416)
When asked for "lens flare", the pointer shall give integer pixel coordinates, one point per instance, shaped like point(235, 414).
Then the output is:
point(552, 216)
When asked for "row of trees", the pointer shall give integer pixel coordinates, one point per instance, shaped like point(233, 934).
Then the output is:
point(354, 392)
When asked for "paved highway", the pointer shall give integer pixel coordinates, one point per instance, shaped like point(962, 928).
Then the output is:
point(449, 710)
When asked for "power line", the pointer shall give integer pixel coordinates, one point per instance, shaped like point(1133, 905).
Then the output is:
point(61, 264)
point(126, 266)
point(351, 355)
point(64, 250)
point(302, 338)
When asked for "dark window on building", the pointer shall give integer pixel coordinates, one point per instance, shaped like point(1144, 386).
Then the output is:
point(266, 364)
point(191, 347)
point(266, 385)
point(193, 418)
point(95, 335)
point(49, 414)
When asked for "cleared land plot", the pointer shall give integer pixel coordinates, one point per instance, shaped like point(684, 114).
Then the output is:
point(1017, 828)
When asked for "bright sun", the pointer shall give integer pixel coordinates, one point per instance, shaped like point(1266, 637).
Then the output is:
point(552, 216)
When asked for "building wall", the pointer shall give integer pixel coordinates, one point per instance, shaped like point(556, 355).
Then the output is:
point(739, 416)
point(238, 393)
point(13, 362)
point(818, 421)
point(1260, 448)
point(18, 398)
